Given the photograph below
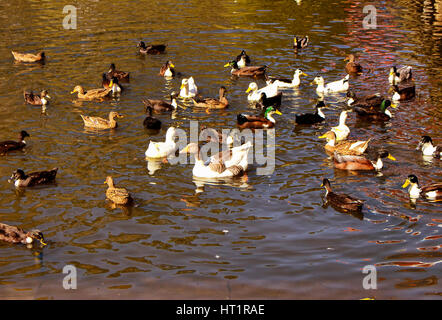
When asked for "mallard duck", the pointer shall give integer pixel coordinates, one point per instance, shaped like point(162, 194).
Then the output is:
point(167, 69)
point(93, 94)
point(347, 147)
point(342, 131)
point(6, 146)
point(431, 192)
point(120, 75)
point(21, 179)
point(212, 103)
point(151, 49)
point(161, 105)
point(350, 162)
point(336, 86)
point(352, 67)
point(162, 149)
point(16, 235)
point(300, 43)
point(383, 114)
point(287, 83)
point(258, 122)
point(188, 88)
point(264, 102)
point(151, 122)
point(255, 93)
point(248, 71)
point(100, 123)
point(402, 94)
point(427, 147)
point(231, 164)
point(372, 101)
point(341, 201)
point(399, 75)
point(117, 195)
point(35, 99)
point(312, 118)
point(242, 59)
point(29, 57)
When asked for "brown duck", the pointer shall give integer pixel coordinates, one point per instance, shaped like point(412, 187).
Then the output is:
point(100, 123)
point(16, 235)
point(120, 75)
point(35, 99)
point(151, 49)
point(161, 105)
point(341, 201)
point(248, 71)
point(117, 195)
point(28, 57)
point(34, 178)
point(212, 103)
point(6, 146)
point(352, 67)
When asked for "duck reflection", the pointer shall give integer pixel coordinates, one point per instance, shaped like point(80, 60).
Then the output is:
point(237, 182)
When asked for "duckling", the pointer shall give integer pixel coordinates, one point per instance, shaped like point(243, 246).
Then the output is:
point(167, 70)
point(17, 235)
point(242, 59)
point(6, 146)
point(347, 147)
point(399, 75)
point(342, 131)
point(151, 49)
point(100, 123)
point(341, 201)
point(35, 99)
point(300, 43)
point(248, 71)
point(212, 103)
point(332, 87)
point(431, 192)
point(427, 147)
point(312, 118)
point(93, 94)
point(372, 101)
point(383, 114)
point(162, 149)
point(287, 83)
point(117, 195)
point(406, 93)
point(258, 122)
point(32, 179)
point(120, 75)
point(151, 122)
point(352, 67)
point(350, 162)
point(29, 57)
point(188, 88)
point(255, 93)
point(161, 105)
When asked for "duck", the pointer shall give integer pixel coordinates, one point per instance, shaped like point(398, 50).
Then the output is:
point(264, 102)
point(120, 75)
point(426, 146)
point(300, 43)
point(352, 67)
point(248, 71)
point(224, 165)
point(167, 69)
point(112, 83)
point(117, 195)
point(399, 75)
point(6, 146)
point(312, 118)
point(255, 93)
point(212, 103)
point(35, 99)
point(332, 87)
point(151, 49)
point(402, 94)
point(347, 147)
point(157, 150)
point(342, 130)
point(382, 114)
point(29, 57)
point(258, 122)
point(431, 192)
point(212, 135)
point(287, 83)
point(351, 162)
point(341, 201)
point(16, 235)
point(21, 179)
point(161, 105)
point(188, 88)
point(93, 94)
point(100, 123)
point(371, 101)
point(242, 59)
point(151, 122)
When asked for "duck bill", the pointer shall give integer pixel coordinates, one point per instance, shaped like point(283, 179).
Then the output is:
point(407, 182)
point(48, 97)
point(323, 136)
point(172, 65)
point(248, 90)
point(393, 105)
point(43, 243)
point(182, 86)
point(227, 65)
point(391, 157)
point(304, 74)
point(185, 150)
point(73, 92)
point(278, 112)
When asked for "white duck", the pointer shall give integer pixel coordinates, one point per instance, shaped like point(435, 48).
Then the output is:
point(188, 88)
point(255, 94)
point(342, 131)
point(336, 86)
point(286, 83)
point(162, 149)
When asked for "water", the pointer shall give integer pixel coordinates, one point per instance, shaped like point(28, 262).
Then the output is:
point(280, 241)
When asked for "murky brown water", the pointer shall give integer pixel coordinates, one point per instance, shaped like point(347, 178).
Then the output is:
point(281, 242)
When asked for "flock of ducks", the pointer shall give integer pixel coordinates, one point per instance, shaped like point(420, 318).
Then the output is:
point(347, 154)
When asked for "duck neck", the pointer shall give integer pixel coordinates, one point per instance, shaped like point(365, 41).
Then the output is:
point(270, 118)
point(110, 183)
point(378, 164)
point(428, 149)
point(414, 190)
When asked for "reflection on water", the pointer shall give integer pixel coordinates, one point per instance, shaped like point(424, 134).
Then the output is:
point(255, 236)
